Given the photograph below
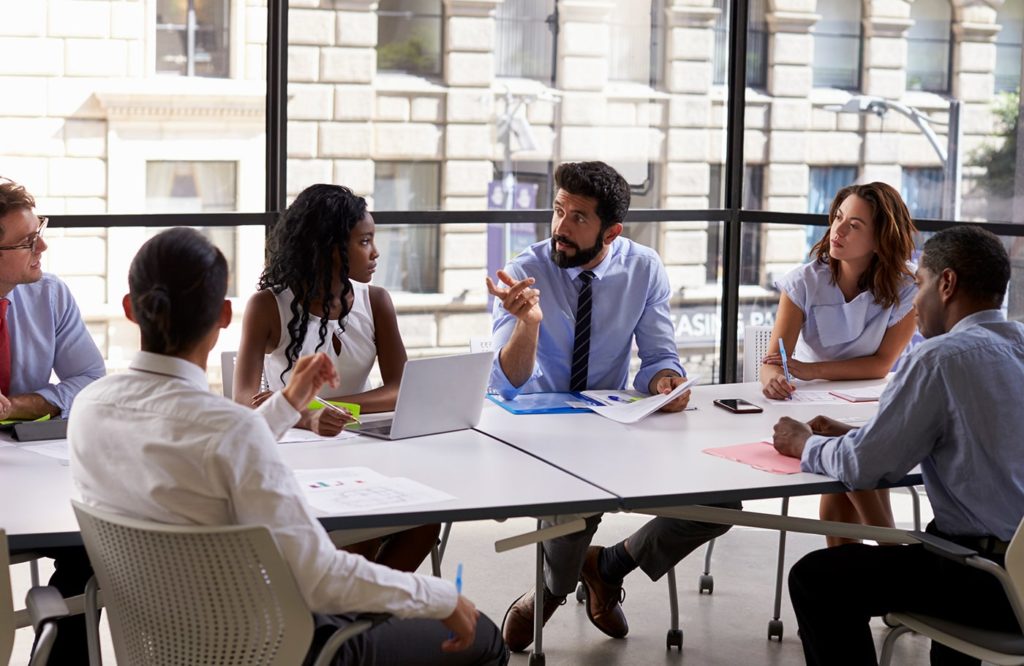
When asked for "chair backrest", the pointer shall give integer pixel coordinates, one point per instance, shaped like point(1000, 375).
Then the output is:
point(227, 370)
point(755, 347)
point(6, 602)
point(190, 595)
point(1014, 562)
point(480, 345)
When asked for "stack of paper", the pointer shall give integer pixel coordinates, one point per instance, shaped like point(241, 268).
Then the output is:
point(867, 394)
point(631, 412)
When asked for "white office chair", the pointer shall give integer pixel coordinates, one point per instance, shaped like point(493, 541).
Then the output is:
point(181, 594)
point(43, 606)
point(227, 371)
point(990, 646)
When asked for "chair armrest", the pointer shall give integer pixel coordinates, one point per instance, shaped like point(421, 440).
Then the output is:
point(944, 548)
point(45, 604)
point(363, 622)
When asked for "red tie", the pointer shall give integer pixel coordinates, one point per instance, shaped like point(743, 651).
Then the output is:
point(5, 349)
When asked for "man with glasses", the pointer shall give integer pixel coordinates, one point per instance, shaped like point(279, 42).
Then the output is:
point(42, 334)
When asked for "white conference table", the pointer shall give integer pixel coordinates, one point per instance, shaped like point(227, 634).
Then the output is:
point(487, 479)
point(660, 461)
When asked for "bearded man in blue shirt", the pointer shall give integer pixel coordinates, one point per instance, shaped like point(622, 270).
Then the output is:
point(42, 334)
point(546, 301)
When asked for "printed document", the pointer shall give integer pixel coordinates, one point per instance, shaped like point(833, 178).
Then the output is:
point(631, 412)
point(346, 490)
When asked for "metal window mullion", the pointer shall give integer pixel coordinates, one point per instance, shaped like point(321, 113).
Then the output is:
point(733, 189)
point(277, 103)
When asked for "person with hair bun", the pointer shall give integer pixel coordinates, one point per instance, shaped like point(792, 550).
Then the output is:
point(314, 296)
point(155, 443)
point(848, 314)
point(42, 334)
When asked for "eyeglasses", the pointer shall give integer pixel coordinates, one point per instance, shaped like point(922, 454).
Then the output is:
point(32, 241)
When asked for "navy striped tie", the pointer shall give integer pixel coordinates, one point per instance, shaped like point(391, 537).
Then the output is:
point(581, 340)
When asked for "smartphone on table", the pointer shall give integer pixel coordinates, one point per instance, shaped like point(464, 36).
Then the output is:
point(738, 406)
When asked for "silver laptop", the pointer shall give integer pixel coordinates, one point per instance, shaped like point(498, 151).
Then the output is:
point(436, 395)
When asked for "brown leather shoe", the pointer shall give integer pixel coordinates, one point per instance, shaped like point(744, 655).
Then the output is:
point(517, 627)
point(603, 600)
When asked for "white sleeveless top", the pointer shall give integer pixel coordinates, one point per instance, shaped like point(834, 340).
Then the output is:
point(358, 344)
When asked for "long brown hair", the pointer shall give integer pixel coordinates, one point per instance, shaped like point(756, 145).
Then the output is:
point(894, 241)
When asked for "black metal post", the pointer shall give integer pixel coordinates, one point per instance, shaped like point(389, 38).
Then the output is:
point(277, 103)
point(737, 83)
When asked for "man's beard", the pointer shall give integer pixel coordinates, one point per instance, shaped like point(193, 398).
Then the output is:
point(580, 258)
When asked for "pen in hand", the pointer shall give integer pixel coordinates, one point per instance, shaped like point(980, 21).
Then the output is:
point(458, 590)
point(345, 412)
point(785, 365)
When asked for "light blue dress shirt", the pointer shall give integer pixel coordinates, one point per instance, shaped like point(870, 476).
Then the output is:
point(833, 329)
point(48, 336)
point(630, 299)
point(953, 408)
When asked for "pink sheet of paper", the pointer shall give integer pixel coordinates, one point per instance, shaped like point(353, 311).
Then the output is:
point(759, 455)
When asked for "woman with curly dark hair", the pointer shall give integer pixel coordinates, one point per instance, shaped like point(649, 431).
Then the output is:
point(848, 314)
point(314, 296)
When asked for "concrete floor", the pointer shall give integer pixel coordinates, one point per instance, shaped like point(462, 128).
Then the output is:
point(728, 627)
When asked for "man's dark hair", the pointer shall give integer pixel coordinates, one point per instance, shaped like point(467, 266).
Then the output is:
point(177, 283)
point(598, 181)
point(977, 256)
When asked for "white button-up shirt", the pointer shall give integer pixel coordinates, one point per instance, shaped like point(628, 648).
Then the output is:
point(154, 443)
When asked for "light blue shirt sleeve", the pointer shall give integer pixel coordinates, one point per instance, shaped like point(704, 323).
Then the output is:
point(655, 334)
point(76, 360)
point(911, 413)
point(502, 325)
point(907, 292)
point(795, 285)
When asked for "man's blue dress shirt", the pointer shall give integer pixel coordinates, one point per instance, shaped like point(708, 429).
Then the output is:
point(954, 408)
point(630, 299)
point(48, 336)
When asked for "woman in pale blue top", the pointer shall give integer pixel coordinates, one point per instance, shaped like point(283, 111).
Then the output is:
point(848, 314)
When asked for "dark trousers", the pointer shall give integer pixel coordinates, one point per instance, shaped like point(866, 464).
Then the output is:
point(409, 643)
point(71, 572)
point(836, 591)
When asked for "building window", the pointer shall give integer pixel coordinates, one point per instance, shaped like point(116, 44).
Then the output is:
point(757, 43)
point(922, 191)
point(1008, 46)
point(826, 181)
point(525, 39)
point(837, 45)
point(192, 37)
point(928, 46)
point(409, 36)
point(633, 45)
point(751, 238)
point(408, 252)
point(197, 187)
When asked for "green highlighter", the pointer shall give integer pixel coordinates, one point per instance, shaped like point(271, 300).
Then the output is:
point(45, 417)
point(351, 407)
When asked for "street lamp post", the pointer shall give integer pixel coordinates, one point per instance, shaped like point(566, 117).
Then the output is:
point(949, 156)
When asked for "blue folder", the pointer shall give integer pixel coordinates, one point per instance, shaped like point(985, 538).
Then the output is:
point(542, 403)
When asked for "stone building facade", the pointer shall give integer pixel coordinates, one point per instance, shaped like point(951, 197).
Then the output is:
point(107, 112)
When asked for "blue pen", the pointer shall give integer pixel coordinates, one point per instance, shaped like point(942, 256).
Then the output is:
point(616, 398)
point(785, 364)
point(458, 589)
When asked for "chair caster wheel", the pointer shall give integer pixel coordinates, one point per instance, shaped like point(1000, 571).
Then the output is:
point(707, 584)
point(775, 630)
point(674, 639)
point(581, 593)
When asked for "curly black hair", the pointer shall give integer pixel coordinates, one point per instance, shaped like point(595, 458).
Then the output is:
point(300, 257)
point(598, 181)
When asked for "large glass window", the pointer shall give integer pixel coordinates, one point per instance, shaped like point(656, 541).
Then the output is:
point(928, 46)
point(752, 240)
point(757, 43)
point(409, 36)
point(1008, 46)
point(525, 39)
point(922, 191)
point(192, 37)
point(837, 45)
point(408, 252)
point(630, 43)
